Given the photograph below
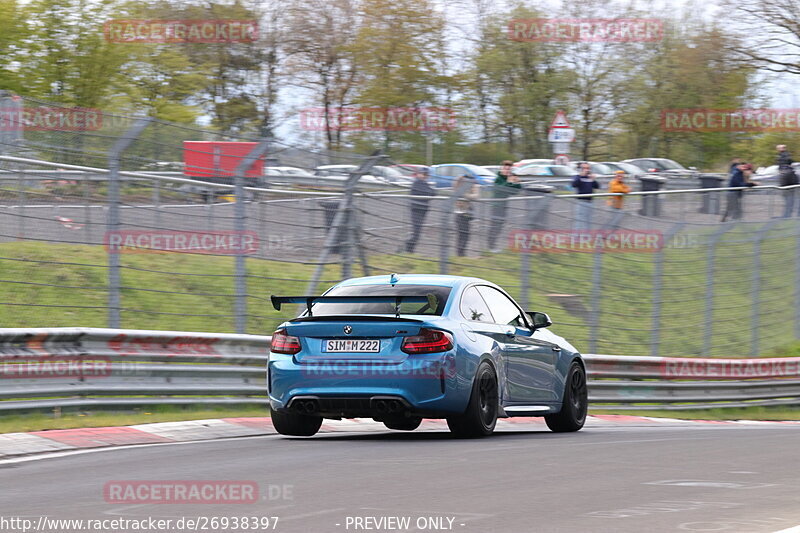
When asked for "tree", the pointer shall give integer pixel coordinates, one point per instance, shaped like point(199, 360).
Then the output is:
point(397, 59)
point(775, 43)
point(320, 60)
point(66, 55)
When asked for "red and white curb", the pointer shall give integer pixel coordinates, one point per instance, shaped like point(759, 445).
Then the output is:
point(58, 440)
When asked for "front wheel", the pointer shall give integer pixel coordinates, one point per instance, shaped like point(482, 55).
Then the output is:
point(481, 415)
point(296, 425)
point(574, 405)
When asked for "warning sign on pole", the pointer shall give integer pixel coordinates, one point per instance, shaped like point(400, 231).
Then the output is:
point(561, 159)
point(560, 120)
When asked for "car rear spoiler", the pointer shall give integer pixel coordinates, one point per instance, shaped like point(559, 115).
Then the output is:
point(429, 298)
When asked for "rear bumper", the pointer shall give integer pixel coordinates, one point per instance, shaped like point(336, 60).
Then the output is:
point(421, 385)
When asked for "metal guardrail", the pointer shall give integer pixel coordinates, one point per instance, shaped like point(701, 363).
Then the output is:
point(50, 368)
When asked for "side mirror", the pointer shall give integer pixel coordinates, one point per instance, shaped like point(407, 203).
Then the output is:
point(539, 320)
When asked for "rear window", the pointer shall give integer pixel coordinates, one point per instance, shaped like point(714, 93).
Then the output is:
point(406, 308)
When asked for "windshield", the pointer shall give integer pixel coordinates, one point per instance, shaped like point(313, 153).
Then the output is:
point(599, 168)
point(533, 170)
point(406, 308)
point(562, 170)
point(480, 171)
point(632, 169)
point(670, 164)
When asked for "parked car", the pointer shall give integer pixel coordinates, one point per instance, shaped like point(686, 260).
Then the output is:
point(600, 170)
point(408, 169)
point(400, 348)
point(494, 169)
point(523, 162)
point(445, 175)
point(666, 167)
point(771, 173)
point(290, 175)
point(632, 170)
point(387, 174)
point(339, 174)
point(540, 170)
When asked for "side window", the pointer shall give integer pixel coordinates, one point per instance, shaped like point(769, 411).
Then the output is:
point(504, 310)
point(473, 307)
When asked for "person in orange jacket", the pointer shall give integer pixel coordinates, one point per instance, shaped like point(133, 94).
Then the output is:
point(618, 185)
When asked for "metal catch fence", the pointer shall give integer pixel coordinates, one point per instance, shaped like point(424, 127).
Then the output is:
point(98, 228)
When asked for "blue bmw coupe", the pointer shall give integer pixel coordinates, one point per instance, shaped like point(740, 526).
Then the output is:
point(401, 348)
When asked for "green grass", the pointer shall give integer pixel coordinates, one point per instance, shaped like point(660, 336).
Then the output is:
point(89, 419)
point(195, 292)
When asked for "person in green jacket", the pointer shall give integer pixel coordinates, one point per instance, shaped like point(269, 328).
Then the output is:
point(506, 185)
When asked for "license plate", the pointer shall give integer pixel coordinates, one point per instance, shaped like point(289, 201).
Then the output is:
point(353, 345)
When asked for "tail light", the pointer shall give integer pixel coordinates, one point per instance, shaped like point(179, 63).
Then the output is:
point(428, 341)
point(283, 343)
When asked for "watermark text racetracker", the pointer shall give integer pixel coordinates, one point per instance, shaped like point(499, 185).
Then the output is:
point(198, 242)
point(719, 120)
point(378, 119)
point(586, 30)
point(193, 492)
point(181, 31)
point(534, 241)
point(45, 118)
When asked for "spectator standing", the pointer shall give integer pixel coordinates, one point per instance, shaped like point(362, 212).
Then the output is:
point(419, 207)
point(584, 183)
point(467, 187)
point(506, 185)
point(786, 177)
point(618, 185)
point(740, 177)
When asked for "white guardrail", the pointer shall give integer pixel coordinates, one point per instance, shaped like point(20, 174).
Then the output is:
point(49, 368)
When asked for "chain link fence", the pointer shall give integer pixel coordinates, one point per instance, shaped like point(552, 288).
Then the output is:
point(106, 227)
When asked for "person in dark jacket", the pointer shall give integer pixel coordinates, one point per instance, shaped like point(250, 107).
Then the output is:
point(419, 207)
point(786, 177)
point(466, 191)
point(584, 183)
point(506, 184)
point(740, 177)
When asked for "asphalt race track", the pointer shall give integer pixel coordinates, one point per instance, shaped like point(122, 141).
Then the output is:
point(673, 477)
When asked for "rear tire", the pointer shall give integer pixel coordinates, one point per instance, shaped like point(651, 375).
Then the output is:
point(296, 425)
point(480, 417)
point(575, 404)
point(403, 424)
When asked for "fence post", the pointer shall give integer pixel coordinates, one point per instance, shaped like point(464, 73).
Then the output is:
point(597, 295)
point(157, 201)
point(240, 223)
point(535, 206)
point(709, 314)
point(658, 275)
point(339, 219)
point(797, 282)
point(447, 220)
point(21, 201)
point(113, 222)
point(756, 295)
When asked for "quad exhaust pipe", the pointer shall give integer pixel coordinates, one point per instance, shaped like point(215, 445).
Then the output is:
point(388, 406)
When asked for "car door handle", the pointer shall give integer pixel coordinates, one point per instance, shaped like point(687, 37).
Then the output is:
point(556, 348)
